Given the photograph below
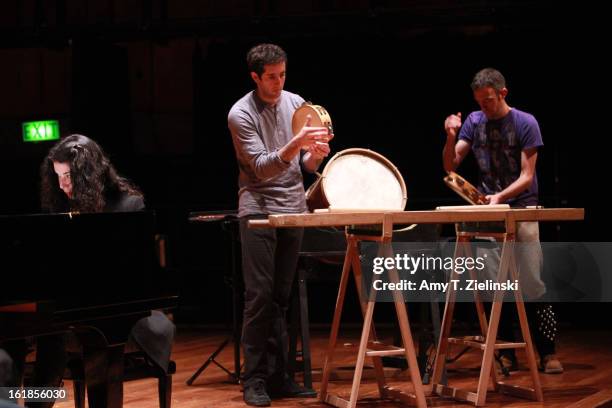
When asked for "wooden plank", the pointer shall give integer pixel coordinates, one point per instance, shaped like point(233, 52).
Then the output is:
point(397, 394)
point(336, 401)
point(549, 214)
point(333, 337)
point(407, 341)
point(596, 400)
point(509, 345)
point(365, 334)
point(260, 224)
point(517, 391)
point(447, 320)
point(347, 373)
point(418, 217)
point(488, 207)
point(481, 346)
point(357, 275)
point(377, 345)
point(381, 353)
point(455, 393)
point(524, 324)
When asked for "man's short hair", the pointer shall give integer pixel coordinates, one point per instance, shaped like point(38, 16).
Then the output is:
point(264, 54)
point(488, 77)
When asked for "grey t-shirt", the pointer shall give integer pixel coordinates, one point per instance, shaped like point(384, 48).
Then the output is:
point(266, 183)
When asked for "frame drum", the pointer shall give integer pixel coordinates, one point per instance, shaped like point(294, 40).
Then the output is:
point(318, 115)
point(358, 179)
point(466, 190)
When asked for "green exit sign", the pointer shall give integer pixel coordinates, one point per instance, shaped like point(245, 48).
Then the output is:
point(41, 130)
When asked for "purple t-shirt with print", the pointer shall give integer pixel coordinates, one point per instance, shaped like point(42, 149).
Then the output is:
point(497, 145)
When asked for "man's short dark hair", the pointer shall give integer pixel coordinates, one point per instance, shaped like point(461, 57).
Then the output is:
point(264, 54)
point(488, 77)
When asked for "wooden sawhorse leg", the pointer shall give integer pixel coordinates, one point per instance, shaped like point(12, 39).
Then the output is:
point(488, 341)
point(369, 345)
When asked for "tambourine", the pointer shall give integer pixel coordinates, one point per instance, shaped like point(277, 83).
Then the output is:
point(466, 190)
point(318, 117)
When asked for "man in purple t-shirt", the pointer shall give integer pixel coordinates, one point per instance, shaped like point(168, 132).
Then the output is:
point(499, 145)
point(505, 142)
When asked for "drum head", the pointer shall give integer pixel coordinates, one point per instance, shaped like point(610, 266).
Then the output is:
point(360, 179)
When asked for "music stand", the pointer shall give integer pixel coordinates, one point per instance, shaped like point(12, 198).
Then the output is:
point(229, 223)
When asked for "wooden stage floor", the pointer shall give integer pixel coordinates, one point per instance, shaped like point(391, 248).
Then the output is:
point(586, 356)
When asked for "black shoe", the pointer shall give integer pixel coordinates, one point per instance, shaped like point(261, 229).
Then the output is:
point(255, 394)
point(508, 362)
point(290, 389)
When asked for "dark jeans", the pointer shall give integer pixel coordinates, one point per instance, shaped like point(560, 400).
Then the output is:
point(542, 325)
point(269, 261)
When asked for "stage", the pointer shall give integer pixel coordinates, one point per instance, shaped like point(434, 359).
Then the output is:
point(586, 356)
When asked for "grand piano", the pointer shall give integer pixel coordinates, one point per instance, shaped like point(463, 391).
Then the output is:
point(94, 275)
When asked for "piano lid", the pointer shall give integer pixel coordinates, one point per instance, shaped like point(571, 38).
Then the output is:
point(80, 260)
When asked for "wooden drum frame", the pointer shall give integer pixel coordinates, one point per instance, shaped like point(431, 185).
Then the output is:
point(465, 189)
point(319, 117)
point(358, 179)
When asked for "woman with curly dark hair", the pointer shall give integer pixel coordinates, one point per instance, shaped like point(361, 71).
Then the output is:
point(77, 175)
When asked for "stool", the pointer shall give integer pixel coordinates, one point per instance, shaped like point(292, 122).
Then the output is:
point(136, 367)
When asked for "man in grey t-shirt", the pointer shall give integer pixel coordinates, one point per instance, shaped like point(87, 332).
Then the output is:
point(270, 159)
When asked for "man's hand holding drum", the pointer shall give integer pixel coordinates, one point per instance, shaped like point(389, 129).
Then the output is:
point(317, 139)
point(307, 139)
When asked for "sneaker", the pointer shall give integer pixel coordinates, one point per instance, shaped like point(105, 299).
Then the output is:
point(508, 362)
point(290, 389)
point(255, 394)
point(551, 365)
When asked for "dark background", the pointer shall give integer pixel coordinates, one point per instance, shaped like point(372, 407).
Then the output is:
point(152, 81)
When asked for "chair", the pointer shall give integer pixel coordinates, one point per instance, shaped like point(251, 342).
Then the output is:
point(136, 367)
point(320, 247)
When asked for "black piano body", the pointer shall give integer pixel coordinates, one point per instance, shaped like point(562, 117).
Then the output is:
point(95, 275)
